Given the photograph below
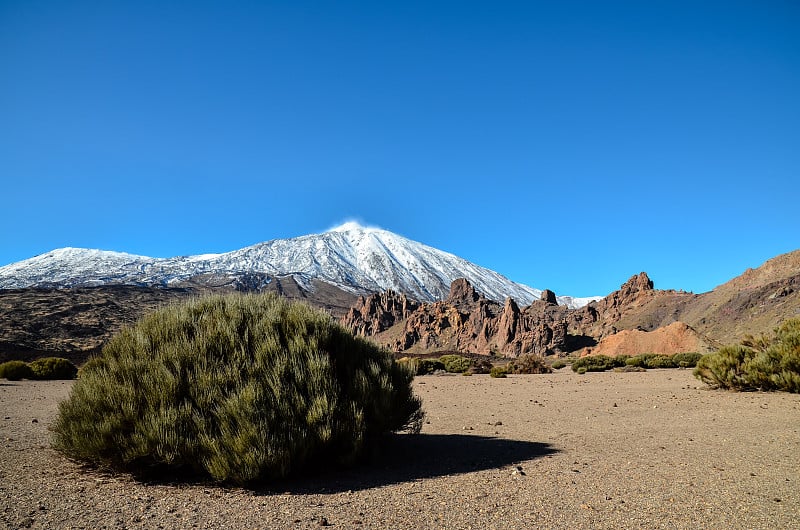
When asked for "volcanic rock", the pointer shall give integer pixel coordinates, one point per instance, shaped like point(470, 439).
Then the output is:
point(549, 297)
point(377, 312)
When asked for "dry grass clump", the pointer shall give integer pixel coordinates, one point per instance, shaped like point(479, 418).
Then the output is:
point(528, 364)
point(238, 388)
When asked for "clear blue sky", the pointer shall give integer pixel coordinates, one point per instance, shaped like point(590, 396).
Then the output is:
point(567, 145)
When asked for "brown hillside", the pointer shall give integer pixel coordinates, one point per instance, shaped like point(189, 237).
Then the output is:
point(752, 303)
point(669, 340)
point(74, 323)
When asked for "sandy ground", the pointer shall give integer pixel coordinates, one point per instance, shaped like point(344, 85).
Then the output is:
point(611, 450)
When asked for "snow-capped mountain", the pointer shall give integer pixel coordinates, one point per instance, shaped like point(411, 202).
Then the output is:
point(351, 257)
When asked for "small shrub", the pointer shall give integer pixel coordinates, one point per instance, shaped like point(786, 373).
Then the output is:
point(769, 363)
point(597, 363)
point(558, 364)
point(528, 364)
point(15, 370)
point(455, 364)
point(636, 361)
point(660, 361)
point(428, 366)
point(725, 368)
point(686, 360)
point(498, 371)
point(629, 369)
point(650, 360)
point(238, 388)
point(480, 366)
point(53, 368)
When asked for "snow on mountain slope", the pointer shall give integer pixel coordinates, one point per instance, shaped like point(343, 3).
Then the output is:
point(351, 257)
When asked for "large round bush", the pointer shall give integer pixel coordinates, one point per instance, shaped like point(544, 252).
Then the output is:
point(241, 388)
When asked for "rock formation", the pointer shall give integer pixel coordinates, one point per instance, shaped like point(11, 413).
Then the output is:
point(465, 321)
point(468, 322)
point(378, 312)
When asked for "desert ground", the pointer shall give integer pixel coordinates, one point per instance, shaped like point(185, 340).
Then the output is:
point(601, 450)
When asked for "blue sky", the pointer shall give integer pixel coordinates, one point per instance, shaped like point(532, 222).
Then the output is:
point(566, 145)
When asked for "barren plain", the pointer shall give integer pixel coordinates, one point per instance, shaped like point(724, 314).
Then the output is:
point(602, 450)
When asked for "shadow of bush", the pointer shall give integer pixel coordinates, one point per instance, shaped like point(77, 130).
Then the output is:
point(408, 458)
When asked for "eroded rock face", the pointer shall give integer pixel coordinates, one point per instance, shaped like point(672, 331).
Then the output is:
point(603, 317)
point(752, 303)
point(549, 297)
point(466, 321)
point(378, 312)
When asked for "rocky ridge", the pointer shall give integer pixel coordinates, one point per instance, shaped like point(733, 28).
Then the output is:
point(466, 321)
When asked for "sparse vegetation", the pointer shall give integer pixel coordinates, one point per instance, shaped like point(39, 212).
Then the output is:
point(766, 363)
point(498, 372)
point(53, 368)
point(239, 388)
point(558, 364)
point(651, 360)
point(596, 363)
point(455, 364)
point(628, 369)
point(450, 363)
point(528, 364)
point(686, 360)
point(427, 366)
point(480, 366)
point(15, 370)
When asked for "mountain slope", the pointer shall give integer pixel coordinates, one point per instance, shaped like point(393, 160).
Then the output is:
point(353, 258)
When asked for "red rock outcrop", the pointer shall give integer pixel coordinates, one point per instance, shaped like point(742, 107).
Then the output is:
point(378, 312)
point(466, 321)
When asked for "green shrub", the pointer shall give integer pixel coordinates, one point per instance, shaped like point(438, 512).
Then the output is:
point(686, 360)
point(498, 371)
point(53, 368)
point(651, 360)
point(773, 365)
point(660, 361)
point(597, 363)
point(239, 388)
point(628, 369)
point(558, 364)
point(528, 364)
point(726, 367)
point(15, 370)
point(636, 361)
point(455, 364)
point(427, 366)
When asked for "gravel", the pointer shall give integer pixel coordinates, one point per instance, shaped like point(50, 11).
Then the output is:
point(602, 450)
